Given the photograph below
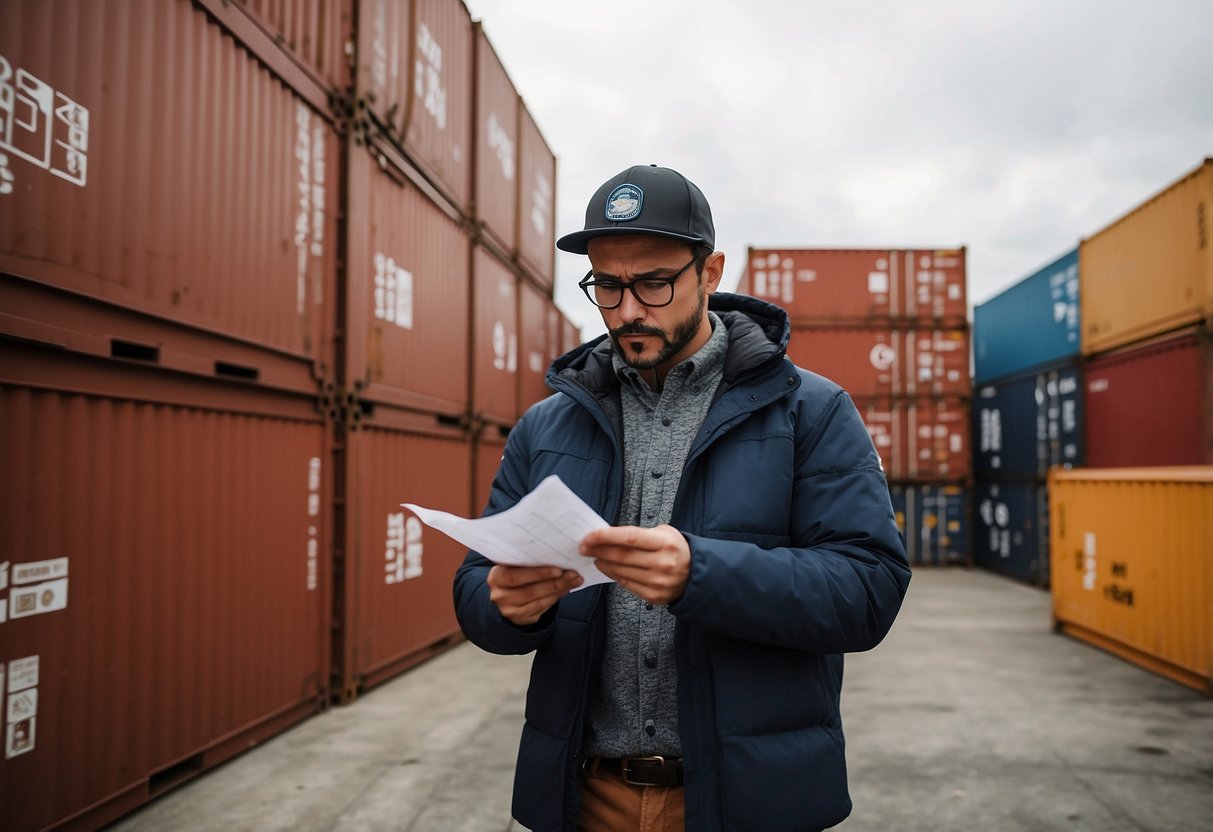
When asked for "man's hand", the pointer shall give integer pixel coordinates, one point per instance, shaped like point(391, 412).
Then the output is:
point(524, 593)
point(654, 564)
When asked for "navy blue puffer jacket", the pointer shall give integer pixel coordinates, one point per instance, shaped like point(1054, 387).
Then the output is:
point(795, 559)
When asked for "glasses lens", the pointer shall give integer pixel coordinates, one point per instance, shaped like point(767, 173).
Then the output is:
point(654, 292)
point(606, 294)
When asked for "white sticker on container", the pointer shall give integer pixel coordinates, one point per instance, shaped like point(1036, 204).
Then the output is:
point(393, 292)
point(3, 576)
point(806, 275)
point(22, 705)
point(19, 738)
point(50, 130)
point(23, 673)
point(1097, 385)
point(39, 570)
point(38, 599)
point(1088, 561)
point(3, 610)
point(882, 356)
point(878, 283)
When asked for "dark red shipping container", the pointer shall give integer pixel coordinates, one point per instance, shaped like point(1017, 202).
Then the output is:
point(494, 339)
point(832, 286)
point(488, 450)
point(407, 291)
point(538, 340)
point(496, 140)
point(536, 201)
point(153, 165)
point(920, 439)
point(882, 362)
point(396, 599)
point(415, 74)
point(1152, 404)
point(570, 336)
point(177, 535)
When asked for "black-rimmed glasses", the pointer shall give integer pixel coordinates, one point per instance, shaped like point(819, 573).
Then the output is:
point(607, 292)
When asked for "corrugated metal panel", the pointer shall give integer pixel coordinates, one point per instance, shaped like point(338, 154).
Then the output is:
point(876, 361)
point(415, 75)
point(535, 345)
point(1152, 270)
point(1032, 324)
point(831, 286)
point(494, 339)
point(1133, 565)
point(1011, 529)
point(934, 520)
point(496, 142)
point(314, 32)
point(191, 626)
point(536, 201)
point(489, 448)
point(1152, 405)
point(407, 293)
point(156, 166)
point(1025, 424)
point(570, 336)
point(925, 439)
point(399, 572)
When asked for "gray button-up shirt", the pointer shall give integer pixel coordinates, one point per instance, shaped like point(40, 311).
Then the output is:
point(634, 707)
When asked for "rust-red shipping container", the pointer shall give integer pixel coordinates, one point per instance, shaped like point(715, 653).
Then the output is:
point(536, 201)
point(169, 599)
point(163, 179)
point(880, 361)
point(488, 450)
point(496, 139)
point(407, 290)
point(538, 340)
point(415, 73)
point(920, 439)
point(832, 286)
point(397, 574)
point(570, 336)
point(1152, 405)
point(494, 339)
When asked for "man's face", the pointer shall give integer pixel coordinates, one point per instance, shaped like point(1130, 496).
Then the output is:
point(656, 337)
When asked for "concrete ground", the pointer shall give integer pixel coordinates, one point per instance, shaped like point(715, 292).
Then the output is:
point(971, 716)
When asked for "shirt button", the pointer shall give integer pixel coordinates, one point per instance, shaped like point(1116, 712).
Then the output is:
point(650, 660)
point(656, 475)
point(649, 727)
point(665, 421)
point(647, 605)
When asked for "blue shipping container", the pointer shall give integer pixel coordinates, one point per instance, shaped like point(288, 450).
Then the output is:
point(1032, 324)
point(934, 520)
point(1024, 425)
point(1012, 529)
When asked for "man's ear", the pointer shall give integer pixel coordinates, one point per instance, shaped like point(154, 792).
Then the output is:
point(713, 270)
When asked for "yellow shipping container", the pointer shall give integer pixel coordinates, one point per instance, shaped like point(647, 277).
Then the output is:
point(1151, 271)
point(1132, 565)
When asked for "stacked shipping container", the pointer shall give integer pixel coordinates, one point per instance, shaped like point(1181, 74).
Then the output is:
point(254, 265)
point(1027, 414)
point(890, 327)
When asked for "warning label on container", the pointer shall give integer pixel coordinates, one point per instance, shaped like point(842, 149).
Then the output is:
point(50, 130)
point(37, 599)
point(393, 292)
point(23, 673)
point(40, 570)
point(22, 705)
point(19, 737)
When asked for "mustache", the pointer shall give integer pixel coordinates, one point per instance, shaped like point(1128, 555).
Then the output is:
point(634, 328)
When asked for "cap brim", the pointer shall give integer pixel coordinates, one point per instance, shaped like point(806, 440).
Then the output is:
point(575, 243)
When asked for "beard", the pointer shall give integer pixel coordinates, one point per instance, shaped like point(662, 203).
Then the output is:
point(671, 344)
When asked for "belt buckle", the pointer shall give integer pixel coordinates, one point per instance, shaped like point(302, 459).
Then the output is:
point(626, 770)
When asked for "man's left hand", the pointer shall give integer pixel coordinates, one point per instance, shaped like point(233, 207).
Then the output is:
point(653, 564)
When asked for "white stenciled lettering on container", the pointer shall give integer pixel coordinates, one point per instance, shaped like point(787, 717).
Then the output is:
point(403, 551)
point(379, 46)
point(313, 512)
point(303, 218)
point(541, 204)
point(393, 292)
point(318, 204)
point(428, 76)
point(1088, 561)
point(502, 145)
point(42, 126)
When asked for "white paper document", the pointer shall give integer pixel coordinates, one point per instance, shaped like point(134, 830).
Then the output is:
point(544, 528)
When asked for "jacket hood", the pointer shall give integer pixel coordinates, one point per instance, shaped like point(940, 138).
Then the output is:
point(758, 334)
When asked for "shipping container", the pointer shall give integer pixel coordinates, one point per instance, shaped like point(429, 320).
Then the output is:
point(496, 140)
point(536, 202)
point(395, 592)
point(934, 519)
point(1033, 324)
point(163, 180)
point(538, 340)
point(1151, 271)
point(1011, 529)
point(494, 340)
point(415, 74)
point(1026, 424)
point(1152, 404)
point(834, 286)
point(570, 336)
point(408, 291)
point(1132, 566)
point(167, 552)
point(488, 450)
point(883, 362)
point(920, 439)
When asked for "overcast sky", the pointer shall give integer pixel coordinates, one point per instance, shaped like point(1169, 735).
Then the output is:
point(1014, 128)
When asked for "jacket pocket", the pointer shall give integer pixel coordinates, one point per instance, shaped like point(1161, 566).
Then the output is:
point(748, 487)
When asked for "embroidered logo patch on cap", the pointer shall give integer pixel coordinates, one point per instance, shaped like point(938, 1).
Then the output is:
point(624, 203)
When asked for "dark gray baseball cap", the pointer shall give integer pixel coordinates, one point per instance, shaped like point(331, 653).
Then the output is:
point(645, 199)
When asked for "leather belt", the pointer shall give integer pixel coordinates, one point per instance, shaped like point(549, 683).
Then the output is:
point(639, 771)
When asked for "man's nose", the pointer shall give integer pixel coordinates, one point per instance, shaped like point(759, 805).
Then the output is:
point(630, 309)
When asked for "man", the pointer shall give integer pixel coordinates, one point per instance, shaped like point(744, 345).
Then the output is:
point(753, 543)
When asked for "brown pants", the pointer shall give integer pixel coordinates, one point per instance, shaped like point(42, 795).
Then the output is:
point(610, 805)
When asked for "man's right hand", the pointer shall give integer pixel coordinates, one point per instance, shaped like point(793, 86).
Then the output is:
point(524, 593)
